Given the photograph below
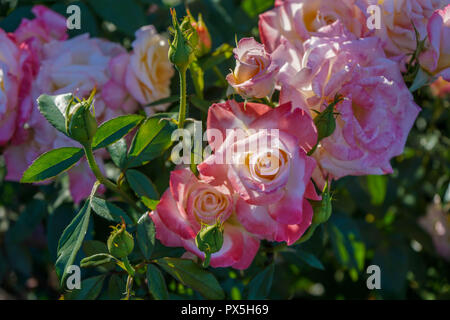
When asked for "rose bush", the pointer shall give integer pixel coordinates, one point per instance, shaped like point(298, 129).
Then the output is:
point(277, 169)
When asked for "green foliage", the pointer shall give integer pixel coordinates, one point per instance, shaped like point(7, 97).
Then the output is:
point(192, 275)
point(53, 109)
point(52, 163)
point(146, 235)
point(259, 287)
point(72, 239)
point(156, 283)
point(373, 218)
point(114, 129)
point(151, 140)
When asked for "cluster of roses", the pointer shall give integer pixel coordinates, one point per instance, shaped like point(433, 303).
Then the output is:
point(312, 51)
point(39, 59)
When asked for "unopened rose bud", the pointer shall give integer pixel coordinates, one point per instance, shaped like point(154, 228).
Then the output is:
point(181, 51)
point(204, 38)
point(322, 211)
point(209, 240)
point(120, 242)
point(81, 124)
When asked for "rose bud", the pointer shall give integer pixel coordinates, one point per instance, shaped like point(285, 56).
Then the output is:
point(254, 73)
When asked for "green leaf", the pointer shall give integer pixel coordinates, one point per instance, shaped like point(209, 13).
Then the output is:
point(422, 78)
point(254, 7)
point(156, 283)
point(28, 220)
point(72, 238)
point(193, 276)
point(141, 184)
point(90, 289)
point(127, 16)
point(221, 54)
point(393, 263)
point(310, 259)
point(377, 186)
point(93, 247)
point(109, 211)
point(158, 102)
point(118, 152)
point(114, 129)
point(96, 260)
point(200, 104)
point(52, 163)
point(346, 241)
point(146, 235)
point(197, 76)
point(259, 287)
point(149, 203)
point(53, 109)
point(151, 140)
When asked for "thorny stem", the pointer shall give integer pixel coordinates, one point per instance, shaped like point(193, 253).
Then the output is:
point(182, 111)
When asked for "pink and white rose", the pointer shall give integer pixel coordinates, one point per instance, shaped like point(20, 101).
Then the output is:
point(190, 202)
point(47, 26)
point(254, 74)
point(18, 67)
point(436, 59)
point(297, 20)
point(263, 158)
point(376, 115)
point(398, 19)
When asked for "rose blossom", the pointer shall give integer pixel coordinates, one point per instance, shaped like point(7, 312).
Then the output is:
point(149, 70)
point(436, 59)
point(190, 202)
point(298, 20)
point(45, 27)
point(114, 92)
point(273, 179)
point(398, 19)
point(254, 73)
point(376, 115)
point(18, 67)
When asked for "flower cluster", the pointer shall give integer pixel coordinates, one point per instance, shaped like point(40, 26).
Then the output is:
point(38, 58)
point(344, 109)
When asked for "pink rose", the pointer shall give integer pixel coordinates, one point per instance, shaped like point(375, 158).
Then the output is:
point(114, 92)
point(254, 73)
point(18, 68)
point(149, 70)
point(376, 115)
point(436, 59)
point(263, 158)
point(187, 204)
point(9, 86)
point(47, 26)
point(298, 20)
point(398, 19)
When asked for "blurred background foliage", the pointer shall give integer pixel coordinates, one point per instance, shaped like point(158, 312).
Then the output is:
point(374, 218)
